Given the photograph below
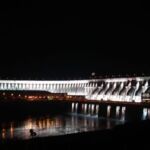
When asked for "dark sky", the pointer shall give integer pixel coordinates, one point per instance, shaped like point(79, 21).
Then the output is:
point(58, 41)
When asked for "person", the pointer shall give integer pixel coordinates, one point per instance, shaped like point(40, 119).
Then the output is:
point(32, 133)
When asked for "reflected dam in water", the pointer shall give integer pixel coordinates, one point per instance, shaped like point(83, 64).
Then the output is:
point(54, 125)
point(79, 117)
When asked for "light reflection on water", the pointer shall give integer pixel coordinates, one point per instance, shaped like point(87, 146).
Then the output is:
point(52, 126)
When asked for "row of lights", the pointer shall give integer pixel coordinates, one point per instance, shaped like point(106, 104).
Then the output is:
point(23, 96)
point(93, 75)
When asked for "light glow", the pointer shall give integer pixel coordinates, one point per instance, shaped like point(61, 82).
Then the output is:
point(88, 88)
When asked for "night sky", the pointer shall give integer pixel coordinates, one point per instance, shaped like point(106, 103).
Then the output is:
point(57, 41)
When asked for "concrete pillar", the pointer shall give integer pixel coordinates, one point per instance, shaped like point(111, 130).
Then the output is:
point(118, 112)
point(72, 107)
point(145, 113)
point(34, 86)
point(89, 109)
point(97, 109)
point(108, 111)
point(148, 113)
point(76, 107)
point(63, 88)
point(85, 108)
point(5, 86)
point(94, 109)
point(122, 112)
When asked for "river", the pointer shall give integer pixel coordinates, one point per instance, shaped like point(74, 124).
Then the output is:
point(48, 125)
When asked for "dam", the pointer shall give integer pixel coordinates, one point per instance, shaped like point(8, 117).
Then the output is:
point(132, 89)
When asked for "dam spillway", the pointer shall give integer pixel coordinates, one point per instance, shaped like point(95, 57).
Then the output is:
point(109, 89)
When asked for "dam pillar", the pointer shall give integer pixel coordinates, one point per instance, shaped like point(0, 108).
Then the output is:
point(97, 109)
point(89, 109)
point(85, 108)
point(73, 107)
point(76, 108)
point(94, 109)
point(118, 112)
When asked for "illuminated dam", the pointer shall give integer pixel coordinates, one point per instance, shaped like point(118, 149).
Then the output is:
point(112, 89)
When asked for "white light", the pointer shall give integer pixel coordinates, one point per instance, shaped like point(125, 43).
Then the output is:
point(81, 87)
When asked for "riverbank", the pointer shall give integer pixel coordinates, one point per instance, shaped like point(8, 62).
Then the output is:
point(128, 136)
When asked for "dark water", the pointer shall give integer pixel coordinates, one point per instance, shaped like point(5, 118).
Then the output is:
point(53, 125)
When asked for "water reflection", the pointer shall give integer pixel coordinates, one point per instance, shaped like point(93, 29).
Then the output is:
point(51, 126)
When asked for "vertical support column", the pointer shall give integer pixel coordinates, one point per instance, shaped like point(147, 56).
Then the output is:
point(85, 108)
point(148, 113)
point(40, 86)
point(73, 107)
point(145, 113)
point(109, 111)
point(17, 86)
point(63, 88)
point(56, 89)
point(49, 87)
point(34, 86)
point(97, 109)
point(29, 86)
point(52, 87)
point(89, 109)
point(118, 112)
point(43, 86)
point(122, 113)
point(76, 107)
point(94, 109)
point(4, 86)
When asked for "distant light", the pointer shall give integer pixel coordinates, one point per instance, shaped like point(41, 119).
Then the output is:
point(93, 74)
